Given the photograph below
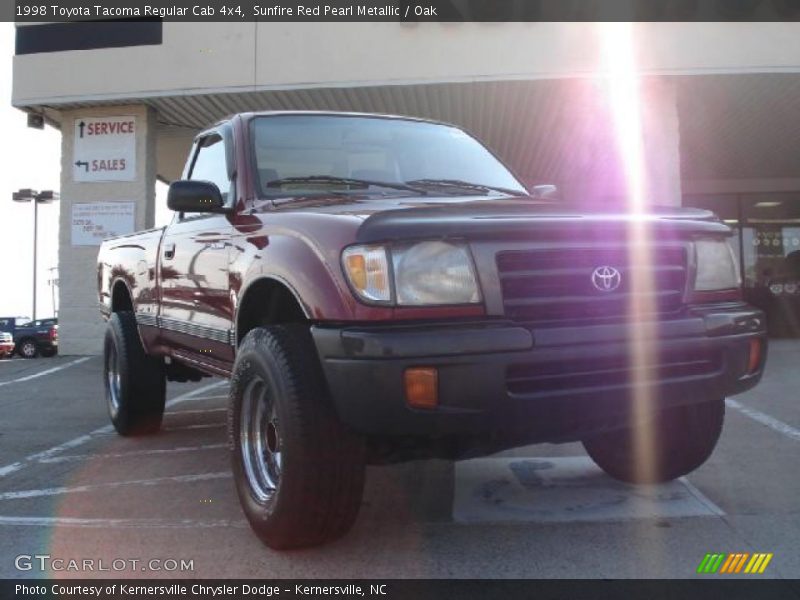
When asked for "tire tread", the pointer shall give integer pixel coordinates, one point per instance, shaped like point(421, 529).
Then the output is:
point(327, 503)
point(143, 375)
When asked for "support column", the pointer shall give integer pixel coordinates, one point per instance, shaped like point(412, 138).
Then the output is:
point(661, 135)
point(81, 328)
point(592, 170)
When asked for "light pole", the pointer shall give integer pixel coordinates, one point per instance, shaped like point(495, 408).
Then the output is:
point(45, 197)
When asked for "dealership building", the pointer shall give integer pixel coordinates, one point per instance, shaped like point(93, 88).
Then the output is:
point(719, 116)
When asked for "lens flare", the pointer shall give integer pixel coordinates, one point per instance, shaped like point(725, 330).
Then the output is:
point(622, 83)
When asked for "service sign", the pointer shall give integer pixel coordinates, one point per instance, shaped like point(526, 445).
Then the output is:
point(104, 149)
point(92, 222)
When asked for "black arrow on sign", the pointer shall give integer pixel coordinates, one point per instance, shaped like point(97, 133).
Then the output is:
point(82, 163)
point(81, 125)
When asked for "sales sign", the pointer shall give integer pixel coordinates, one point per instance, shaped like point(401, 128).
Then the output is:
point(92, 222)
point(104, 149)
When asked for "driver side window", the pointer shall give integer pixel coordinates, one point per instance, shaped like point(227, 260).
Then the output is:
point(209, 164)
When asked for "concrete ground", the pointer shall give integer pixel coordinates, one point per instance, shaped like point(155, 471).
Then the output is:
point(72, 489)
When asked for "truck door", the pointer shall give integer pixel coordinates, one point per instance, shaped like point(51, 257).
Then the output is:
point(196, 308)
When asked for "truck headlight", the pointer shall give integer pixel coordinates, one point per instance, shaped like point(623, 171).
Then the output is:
point(434, 273)
point(422, 274)
point(716, 266)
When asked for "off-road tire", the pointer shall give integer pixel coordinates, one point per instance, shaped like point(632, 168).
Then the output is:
point(141, 385)
point(683, 438)
point(317, 493)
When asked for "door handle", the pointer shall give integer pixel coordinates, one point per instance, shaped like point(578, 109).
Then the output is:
point(169, 251)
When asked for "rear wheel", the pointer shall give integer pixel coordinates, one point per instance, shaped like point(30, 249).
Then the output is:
point(135, 383)
point(299, 472)
point(27, 348)
point(682, 439)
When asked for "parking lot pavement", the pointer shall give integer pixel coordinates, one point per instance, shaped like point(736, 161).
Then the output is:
point(72, 489)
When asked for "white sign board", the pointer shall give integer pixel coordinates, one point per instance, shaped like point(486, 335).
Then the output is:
point(104, 149)
point(92, 222)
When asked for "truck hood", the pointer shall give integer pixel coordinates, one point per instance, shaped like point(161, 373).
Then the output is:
point(480, 217)
point(523, 219)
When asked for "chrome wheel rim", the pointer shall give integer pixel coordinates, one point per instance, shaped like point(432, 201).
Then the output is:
point(260, 440)
point(113, 379)
point(28, 349)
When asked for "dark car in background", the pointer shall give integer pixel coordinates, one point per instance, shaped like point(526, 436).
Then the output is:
point(32, 338)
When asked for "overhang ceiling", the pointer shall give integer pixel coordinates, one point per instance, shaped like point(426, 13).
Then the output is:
point(731, 126)
point(740, 127)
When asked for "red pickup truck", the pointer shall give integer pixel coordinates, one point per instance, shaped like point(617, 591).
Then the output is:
point(382, 289)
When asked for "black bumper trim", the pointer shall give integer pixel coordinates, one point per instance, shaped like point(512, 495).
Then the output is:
point(405, 342)
point(364, 368)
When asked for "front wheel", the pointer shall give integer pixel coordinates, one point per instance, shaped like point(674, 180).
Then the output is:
point(675, 442)
point(299, 472)
point(135, 383)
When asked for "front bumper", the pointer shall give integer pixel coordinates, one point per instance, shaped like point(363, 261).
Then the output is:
point(543, 384)
point(6, 349)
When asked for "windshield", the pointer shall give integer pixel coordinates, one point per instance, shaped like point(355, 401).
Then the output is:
point(291, 148)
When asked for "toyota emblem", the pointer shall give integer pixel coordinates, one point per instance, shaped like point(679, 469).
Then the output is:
point(606, 279)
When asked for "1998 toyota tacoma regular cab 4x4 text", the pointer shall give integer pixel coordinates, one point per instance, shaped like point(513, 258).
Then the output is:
point(381, 289)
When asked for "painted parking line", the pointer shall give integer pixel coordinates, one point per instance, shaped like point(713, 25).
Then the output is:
point(47, 372)
point(79, 489)
point(80, 440)
point(564, 490)
point(120, 523)
point(191, 427)
point(765, 419)
point(220, 397)
point(204, 411)
point(132, 454)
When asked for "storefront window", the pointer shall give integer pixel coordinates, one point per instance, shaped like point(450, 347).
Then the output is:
point(773, 240)
point(767, 242)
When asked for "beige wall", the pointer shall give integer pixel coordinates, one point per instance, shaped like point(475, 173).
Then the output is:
point(193, 57)
point(216, 57)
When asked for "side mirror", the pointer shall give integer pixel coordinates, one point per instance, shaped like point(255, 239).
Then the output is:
point(192, 196)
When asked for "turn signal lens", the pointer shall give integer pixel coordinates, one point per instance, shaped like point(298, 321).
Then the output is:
point(422, 387)
point(357, 268)
point(367, 269)
point(755, 356)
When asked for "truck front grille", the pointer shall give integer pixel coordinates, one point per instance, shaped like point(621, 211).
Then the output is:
point(556, 284)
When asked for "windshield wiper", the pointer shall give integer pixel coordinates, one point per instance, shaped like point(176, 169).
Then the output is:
point(466, 185)
point(344, 181)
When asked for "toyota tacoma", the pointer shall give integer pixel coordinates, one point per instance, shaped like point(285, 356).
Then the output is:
point(382, 289)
